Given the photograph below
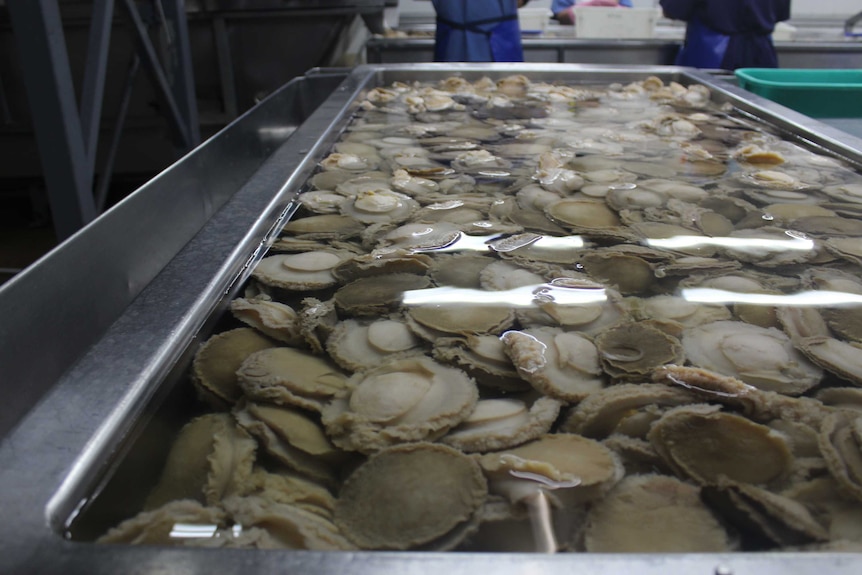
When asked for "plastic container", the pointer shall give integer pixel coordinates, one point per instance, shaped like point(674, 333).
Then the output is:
point(533, 20)
point(827, 93)
point(784, 32)
point(610, 22)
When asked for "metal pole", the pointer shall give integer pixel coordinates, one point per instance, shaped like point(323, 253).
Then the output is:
point(225, 66)
point(93, 89)
point(180, 70)
point(38, 32)
point(151, 62)
point(122, 113)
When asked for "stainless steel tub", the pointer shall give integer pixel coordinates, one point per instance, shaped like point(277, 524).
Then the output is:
point(156, 288)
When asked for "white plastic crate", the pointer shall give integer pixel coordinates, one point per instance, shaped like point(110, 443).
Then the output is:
point(607, 22)
point(533, 20)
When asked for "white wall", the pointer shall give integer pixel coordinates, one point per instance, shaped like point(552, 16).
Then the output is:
point(840, 9)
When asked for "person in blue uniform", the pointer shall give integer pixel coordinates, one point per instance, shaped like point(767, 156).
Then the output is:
point(478, 31)
point(728, 34)
point(564, 12)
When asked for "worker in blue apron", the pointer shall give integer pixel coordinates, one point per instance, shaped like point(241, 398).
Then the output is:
point(477, 31)
point(728, 34)
point(563, 10)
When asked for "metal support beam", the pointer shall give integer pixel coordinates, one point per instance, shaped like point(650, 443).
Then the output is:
point(179, 64)
point(122, 113)
point(225, 66)
point(67, 136)
point(182, 133)
point(38, 32)
point(93, 89)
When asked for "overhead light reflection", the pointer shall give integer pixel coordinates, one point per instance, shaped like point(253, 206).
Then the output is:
point(276, 133)
point(814, 298)
point(477, 243)
point(193, 531)
point(559, 243)
point(527, 296)
point(465, 243)
point(680, 242)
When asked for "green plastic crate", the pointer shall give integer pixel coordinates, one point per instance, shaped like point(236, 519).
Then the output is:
point(817, 93)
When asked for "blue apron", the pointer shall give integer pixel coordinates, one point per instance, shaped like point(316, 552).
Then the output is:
point(496, 38)
point(703, 47)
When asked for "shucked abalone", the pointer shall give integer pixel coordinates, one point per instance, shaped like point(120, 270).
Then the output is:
point(654, 513)
point(411, 496)
point(518, 315)
point(405, 400)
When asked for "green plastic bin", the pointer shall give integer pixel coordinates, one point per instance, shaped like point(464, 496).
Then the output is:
point(817, 93)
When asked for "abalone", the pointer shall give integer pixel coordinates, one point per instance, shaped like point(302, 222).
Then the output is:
point(628, 408)
point(215, 364)
point(356, 345)
point(654, 513)
point(304, 271)
point(155, 527)
point(274, 319)
point(577, 469)
point(404, 400)
point(764, 358)
point(210, 458)
point(287, 375)
point(376, 511)
point(563, 365)
point(706, 444)
point(293, 438)
point(289, 527)
point(502, 423)
point(631, 351)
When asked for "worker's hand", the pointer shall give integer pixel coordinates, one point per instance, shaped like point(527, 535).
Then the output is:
point(566, 16)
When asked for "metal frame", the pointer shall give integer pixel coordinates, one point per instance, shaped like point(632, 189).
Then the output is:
point(94, 76)
point(122, 113)
point(177, 97)
point(59, 134)
point(222, 13)
point(67, 137)
point(51, 462)
point(225, 66)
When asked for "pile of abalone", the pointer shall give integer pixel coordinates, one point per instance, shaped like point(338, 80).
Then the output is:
point(514, 316)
